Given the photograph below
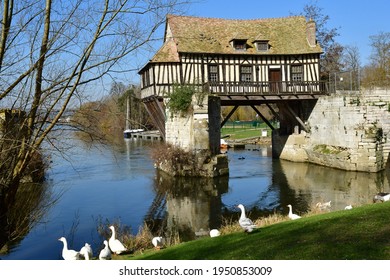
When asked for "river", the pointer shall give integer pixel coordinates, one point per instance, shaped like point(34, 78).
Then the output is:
point(91, 187)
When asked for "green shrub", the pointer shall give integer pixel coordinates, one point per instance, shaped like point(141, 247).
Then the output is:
point(181, 97)
point(176, 159)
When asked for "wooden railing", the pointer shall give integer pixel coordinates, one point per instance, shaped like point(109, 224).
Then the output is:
point(266, 88)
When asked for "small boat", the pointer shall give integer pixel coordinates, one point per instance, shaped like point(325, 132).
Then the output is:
point(127, 133)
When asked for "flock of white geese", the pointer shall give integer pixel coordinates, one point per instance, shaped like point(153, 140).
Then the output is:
point(248, 225)
point(115, 246)
point(112, 246)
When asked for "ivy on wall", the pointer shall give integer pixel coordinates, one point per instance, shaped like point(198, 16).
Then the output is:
point(180, 98)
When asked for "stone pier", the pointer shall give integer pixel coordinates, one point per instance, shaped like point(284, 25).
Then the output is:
point(348, 130)
point(197, 131)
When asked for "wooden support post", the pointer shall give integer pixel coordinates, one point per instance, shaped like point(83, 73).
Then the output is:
point(297, 118)
point(273, 111)
point(229, 115)
point(262, 117)
point(157, 113)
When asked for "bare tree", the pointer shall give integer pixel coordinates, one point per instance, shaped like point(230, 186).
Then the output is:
point(380, 45)
point(49, 52)
point(377, 72)
point(379, 69)
point(351, 58)
point(351, 65)
point(330, 59)
point(331, 62)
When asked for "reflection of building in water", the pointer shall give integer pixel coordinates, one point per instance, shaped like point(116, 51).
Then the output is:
point(193, 205)
point(320, 184)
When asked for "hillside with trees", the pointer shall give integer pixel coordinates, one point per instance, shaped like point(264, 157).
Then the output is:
point(105, 120)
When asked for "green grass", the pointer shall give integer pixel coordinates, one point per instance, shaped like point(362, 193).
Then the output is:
point(242, 130)
point(357, 234)
point(241, 133)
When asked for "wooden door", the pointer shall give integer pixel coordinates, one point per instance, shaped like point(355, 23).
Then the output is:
point(275, 79)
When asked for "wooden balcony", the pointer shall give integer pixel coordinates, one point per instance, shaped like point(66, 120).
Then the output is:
point(232, 93)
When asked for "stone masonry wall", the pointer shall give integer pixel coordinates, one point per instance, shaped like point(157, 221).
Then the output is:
point(349, 131)
point(198, 131)
point(190, 130)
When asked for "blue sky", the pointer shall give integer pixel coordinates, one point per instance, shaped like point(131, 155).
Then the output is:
point(355, 20)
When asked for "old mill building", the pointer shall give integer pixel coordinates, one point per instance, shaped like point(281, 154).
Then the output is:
point(238, 62)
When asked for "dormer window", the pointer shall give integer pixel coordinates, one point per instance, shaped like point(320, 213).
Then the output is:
point(262, 46)
point(239, 44)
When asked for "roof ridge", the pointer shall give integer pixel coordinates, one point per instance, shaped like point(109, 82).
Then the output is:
point(286, 35)
point(232, 19)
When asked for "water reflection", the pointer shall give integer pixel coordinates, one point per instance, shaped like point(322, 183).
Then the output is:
point(264, 185)
point(308, 184)
point(122, 184)
point(28, 208)
point(193, 205)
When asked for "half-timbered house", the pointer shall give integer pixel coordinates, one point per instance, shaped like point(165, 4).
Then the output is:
point(241, 61)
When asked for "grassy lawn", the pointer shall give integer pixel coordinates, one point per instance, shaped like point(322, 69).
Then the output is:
point(241, 133)
point(245, 129)
point(362, 233)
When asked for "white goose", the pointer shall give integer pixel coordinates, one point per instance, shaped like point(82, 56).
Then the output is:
point(291, 215)
point(348, 207)
point(324, 205)
point(381, 197)
point(86, 251)
point(245, 222)
point(105, 253)
point(214, 233)
point(115, 245)
point(68, 254)
point(158, 242)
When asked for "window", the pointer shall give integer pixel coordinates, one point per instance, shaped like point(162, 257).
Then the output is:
point(213, 73)
point(262, 46)
point(246, 73)
point(296, 73)
point(239, 45)
point(146, 79)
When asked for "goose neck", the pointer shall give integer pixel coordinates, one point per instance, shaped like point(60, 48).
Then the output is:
point(65, 244)
point(113, 233)
point(243, 216)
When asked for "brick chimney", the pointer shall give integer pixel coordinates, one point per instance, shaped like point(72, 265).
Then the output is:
point(311, 33)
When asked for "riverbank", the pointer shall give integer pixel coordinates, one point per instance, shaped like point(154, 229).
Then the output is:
point(357, 234)
point(250, 140)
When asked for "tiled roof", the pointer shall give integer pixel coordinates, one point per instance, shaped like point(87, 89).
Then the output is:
point(213, 35)
point(167, 53)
